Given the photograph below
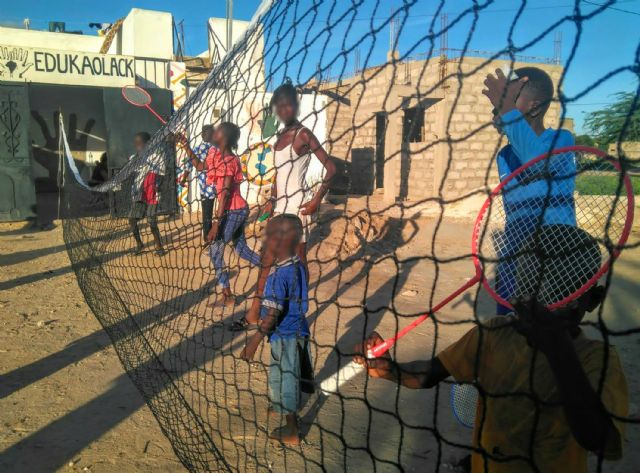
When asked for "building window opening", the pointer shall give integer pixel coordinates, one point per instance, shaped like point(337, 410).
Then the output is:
point(413, 125)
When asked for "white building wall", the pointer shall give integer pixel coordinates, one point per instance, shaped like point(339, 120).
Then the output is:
point(147, 33)
point(144, 33)
point(45, 39)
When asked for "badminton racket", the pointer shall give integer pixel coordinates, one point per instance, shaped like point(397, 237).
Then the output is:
point(580, 186)
point(464, 398)
point(139, 97)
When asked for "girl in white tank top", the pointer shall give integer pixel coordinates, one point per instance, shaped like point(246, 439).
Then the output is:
point(292, 193)
point(291, 183)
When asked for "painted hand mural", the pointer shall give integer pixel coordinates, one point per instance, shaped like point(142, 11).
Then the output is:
point(46, 154)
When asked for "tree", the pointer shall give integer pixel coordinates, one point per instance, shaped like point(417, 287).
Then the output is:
point(608, 125)
point(585, 140)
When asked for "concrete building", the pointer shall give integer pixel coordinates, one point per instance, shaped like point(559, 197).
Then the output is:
point(631, 149)
point(404, 132)
point(43, 73)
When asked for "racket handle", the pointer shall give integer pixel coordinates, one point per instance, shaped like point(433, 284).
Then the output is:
point(263, 217)
point(385, 346)
point(332, 384)
point(155, 114)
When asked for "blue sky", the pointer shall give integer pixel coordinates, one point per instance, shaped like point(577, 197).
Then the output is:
point(608, 41)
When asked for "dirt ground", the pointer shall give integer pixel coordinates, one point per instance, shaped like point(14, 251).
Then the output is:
point(66, 403)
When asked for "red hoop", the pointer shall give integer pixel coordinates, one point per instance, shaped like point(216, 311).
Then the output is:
point(480, 276)
point(478, 226)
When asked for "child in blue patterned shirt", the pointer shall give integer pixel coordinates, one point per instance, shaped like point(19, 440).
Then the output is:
point(207, 192)
point(520, 105)
point(283, 321)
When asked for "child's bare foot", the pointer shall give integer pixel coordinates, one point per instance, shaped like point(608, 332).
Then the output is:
point(286, 435)
point(228, 298)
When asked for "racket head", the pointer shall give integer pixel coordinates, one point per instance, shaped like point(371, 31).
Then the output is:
point(580, 181)
point(136, 95)
point(464, 401)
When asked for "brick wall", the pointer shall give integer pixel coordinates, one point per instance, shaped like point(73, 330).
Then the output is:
point(459, 142)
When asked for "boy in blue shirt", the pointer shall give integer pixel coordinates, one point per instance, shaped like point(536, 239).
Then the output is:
point(531, 199)
point(282, 320)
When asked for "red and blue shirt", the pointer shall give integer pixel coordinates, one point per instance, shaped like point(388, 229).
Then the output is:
point(218, 168)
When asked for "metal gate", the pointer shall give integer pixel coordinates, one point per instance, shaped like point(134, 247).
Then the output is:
point(17, 191)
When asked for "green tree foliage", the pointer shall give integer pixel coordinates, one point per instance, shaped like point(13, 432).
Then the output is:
point(585, 140)
point(606, 125)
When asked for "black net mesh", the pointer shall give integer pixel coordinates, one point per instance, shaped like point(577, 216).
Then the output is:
point(412, 138)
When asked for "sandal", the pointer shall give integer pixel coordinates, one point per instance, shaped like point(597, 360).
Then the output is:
point(242, 325)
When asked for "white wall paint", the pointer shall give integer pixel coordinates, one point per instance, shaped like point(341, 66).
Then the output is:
point(44, 39)
point(147, 33)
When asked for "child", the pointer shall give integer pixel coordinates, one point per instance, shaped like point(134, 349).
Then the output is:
point(145, 194)
point(290, 192)
point(207, 191)
point(283, 320)
point(519, 110)
point(224, 171)
point(549, 394)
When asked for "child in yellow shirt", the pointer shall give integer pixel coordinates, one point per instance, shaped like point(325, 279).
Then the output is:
point(549, 394)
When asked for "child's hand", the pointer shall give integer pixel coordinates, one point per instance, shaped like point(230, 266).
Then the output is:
point(382, 367)
point(181, 139)
point(183, 179)
point(249, 351)
point(502, 93)
point(310, 207)
point(541, 327)
point(214, 231)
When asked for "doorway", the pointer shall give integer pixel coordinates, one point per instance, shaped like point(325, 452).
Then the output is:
point(381, 131)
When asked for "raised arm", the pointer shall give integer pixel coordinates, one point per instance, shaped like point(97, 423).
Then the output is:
point(413, 375)
point(588, 419)
point(503, 95)
point(590, 424)
point(312, 145)
point(192, 160)
point(525, 141)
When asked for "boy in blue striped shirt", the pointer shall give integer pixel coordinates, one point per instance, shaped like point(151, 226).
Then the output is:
point(283, 321)
point(520, 105)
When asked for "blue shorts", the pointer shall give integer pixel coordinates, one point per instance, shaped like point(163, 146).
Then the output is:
point(290, 373)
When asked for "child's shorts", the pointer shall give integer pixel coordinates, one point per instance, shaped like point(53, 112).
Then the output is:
point(290, 373)
point(140, 210)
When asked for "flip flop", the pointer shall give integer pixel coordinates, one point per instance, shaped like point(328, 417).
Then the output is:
point(242, 325)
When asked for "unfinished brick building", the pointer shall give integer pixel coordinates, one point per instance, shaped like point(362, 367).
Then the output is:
point(416, 130)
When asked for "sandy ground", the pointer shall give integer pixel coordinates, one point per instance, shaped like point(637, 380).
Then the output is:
point(67, 404)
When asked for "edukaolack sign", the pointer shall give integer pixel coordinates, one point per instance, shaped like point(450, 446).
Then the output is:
point(23, 64)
